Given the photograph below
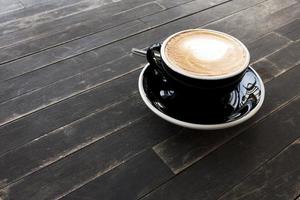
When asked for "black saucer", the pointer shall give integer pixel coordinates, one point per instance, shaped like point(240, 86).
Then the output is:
point(201, 110)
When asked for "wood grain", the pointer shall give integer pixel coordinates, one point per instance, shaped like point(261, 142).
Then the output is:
point(35, 125)
point(46, 76)
point(58, 36)
point(53, 55)
point(75, 170)
point(258, 20)
point(34, 9)
point(286, 57)
point(68, 139)
point(66, 88)
point(266, 45)
point(188, 147)
point(29, 3)
point(33, 20)
point(278, 179)
point(266, 69)
point(35, 79)
point(9, 6)
point(231, 163)
point(73, 125)
point(71, 49)
point(181, 11)
point(291, 30)
point(144, 177)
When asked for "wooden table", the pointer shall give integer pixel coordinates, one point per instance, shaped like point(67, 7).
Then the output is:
point(73, 125)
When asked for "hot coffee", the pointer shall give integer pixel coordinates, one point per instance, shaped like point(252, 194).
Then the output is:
point(206, 53)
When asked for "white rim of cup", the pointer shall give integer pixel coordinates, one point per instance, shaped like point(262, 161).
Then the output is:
point(189, 74)
point(200, 126)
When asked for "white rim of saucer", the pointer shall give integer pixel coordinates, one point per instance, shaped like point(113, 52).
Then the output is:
point(191, 75)
point(200, 126)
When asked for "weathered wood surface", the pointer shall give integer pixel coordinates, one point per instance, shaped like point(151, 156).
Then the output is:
point(278, 179)
point(219, 171)
point(9, 6)
point(188, 147)
point(72, 124)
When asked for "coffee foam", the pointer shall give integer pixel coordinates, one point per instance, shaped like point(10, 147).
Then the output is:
point(206, 53)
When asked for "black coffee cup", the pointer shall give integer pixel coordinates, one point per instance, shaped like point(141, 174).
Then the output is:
point(189, 82)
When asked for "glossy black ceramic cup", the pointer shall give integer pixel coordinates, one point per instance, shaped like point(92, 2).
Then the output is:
point(210, 85)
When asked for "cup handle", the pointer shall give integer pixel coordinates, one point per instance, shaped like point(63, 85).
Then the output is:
point(153, 59)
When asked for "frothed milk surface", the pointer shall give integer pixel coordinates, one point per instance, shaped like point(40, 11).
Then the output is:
point(202, 52)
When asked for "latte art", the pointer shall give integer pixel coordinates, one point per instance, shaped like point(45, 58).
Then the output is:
point(204, 52)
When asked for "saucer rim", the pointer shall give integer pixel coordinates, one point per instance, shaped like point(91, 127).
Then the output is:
point(195, 125)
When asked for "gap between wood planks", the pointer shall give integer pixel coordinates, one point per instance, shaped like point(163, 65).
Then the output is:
point(297, 141)
point(139, 32)
point(74, 93)
point(112, 79)
point(82, 36)
point(85, 145)
point(52, 33)
point(76, 187)
point(80, 146)
point(261, 120)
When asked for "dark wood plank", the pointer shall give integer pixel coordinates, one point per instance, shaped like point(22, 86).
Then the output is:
point(32, 79)
point(58, 71)
point(286, 57)
point(66, 88)
point(258, 20)
point(170, 3)
point(190, 151)
point(108, 7)
point(266, 45)
point(291, 30)
point(67, 15)
point(74, 48)
point(25, 129)
point(153, 35)
point(54, 37)
point(29, 11)
point(189, 146)
point(34, 131)
point(127, 47)
point(13, 88)
point(76, 161)
point(212, 18)
point(46, 59)
point(70, 173)
point(266, 69)
point(278, 179)
point(46, 13)
point(69, 139)
point(200, 18)
point(9, 6)
point(71, 49)
point(29, 3)
point(37, 79)
point(63, 12)
point(186, 148)
point(131, 180)
point(231, 163)
point(181, 11)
